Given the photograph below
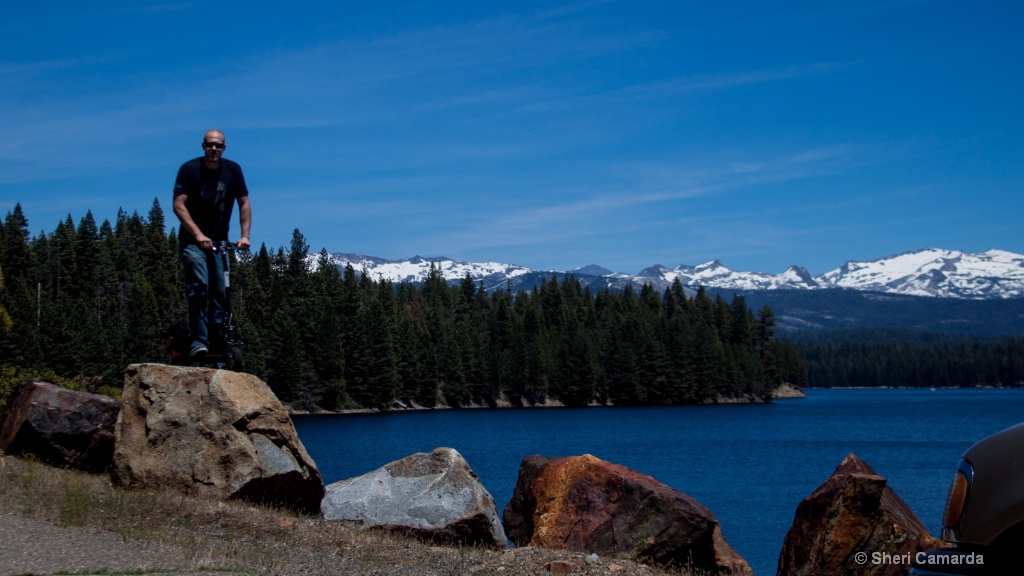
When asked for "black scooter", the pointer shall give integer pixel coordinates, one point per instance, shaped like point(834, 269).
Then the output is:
point(225, 349)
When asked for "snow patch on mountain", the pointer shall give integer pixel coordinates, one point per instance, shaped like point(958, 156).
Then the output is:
point(928, 272)
point(935, 272)
point(417, 268)
point(716, 275)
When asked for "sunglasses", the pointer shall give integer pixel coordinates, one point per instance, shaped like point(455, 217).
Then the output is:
point(215, 145)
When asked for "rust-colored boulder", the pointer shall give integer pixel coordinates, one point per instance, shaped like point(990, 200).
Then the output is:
point(849, 519)
point(60, 426)
point(583, 503)
point(213, 433)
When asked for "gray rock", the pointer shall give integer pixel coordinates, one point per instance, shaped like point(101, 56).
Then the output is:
point(435, 497)
point(213, 433)
point(59, 426)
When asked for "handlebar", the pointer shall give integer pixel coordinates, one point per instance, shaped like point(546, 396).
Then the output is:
point(226, 246)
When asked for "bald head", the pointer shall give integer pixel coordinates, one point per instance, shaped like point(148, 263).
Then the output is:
point(213, 147)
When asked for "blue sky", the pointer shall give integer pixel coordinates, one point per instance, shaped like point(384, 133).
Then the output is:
point(548, 135)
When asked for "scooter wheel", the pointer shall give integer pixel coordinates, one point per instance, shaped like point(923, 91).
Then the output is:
point(235, 359)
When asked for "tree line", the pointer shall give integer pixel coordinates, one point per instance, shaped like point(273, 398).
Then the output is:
point(87, 299)
point(876, 358)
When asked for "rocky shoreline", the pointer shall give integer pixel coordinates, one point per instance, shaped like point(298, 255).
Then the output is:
point(224, 437)
point(788, 391)
point(783, 392)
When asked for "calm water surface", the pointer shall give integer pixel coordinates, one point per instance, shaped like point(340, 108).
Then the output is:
point(749, 464)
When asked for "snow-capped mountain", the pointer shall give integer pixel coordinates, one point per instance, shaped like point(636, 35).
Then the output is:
point(994, 274)
point(714, 275)
point(415, 269)
point(927, 272)
point(932, 272)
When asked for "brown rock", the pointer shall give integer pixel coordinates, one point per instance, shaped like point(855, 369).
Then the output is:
point(60, 426)
point(214, 433)
point(846, 520)
point(585, 504)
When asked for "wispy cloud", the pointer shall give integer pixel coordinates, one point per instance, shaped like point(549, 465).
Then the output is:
point(160, 8)
point(668, 87)
point(485, 97)
point(718, 81)
point(23, 70)
point(531, 131)
point(639, 203)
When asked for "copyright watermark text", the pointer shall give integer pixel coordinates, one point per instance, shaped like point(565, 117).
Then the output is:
point(920, 558)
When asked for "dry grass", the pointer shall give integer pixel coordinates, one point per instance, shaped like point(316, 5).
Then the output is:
point(238, 537)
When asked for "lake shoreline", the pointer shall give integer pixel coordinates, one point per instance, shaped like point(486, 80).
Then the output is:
point(784, 392)
point(750, 464)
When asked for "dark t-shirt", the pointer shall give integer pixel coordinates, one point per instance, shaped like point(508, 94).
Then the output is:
point(212, 194)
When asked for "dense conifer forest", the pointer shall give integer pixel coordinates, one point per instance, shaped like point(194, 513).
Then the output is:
point(904, 358)
point(87, 299)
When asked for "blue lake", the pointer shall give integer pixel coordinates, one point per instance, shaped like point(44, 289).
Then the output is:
point(749, 464)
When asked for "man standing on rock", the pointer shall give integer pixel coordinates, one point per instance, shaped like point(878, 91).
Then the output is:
point(205, 193)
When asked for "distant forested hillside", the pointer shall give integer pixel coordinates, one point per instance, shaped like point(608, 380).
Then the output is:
point(87, 299)
point(887, 357)
point(850, 338)
point(843, 310)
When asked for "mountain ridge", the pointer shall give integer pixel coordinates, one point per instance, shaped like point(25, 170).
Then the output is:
point(931, 272)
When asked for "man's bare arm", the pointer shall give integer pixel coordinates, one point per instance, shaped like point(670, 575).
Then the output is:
point(245, 220)
point(188, 224)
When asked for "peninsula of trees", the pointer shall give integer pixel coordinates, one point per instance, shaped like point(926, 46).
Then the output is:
point(87, 299)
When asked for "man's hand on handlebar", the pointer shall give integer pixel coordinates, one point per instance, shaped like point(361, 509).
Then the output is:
point(243, 243)
point(228, 246)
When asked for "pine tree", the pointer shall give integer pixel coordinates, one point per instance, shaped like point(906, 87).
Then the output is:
point(20, 346)
point(159, 261)
point(286, 357)
point(5, 318)
point(17, 258)
point(764, 339)
point(95, 298)
point(326, 347)
point(373, 380)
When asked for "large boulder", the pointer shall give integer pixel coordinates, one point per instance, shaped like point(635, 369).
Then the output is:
point(213, 433)
point(60, 426)
point(435, 497)
point(851, 517)
point(583, 503)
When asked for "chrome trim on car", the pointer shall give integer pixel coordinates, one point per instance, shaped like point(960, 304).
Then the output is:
point(952, 533)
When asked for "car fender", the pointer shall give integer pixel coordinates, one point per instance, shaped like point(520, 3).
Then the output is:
point(996, 499)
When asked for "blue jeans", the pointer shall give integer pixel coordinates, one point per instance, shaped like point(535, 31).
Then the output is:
point(206, 290)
